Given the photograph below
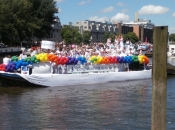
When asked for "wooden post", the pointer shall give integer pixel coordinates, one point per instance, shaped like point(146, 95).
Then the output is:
point(159, 77)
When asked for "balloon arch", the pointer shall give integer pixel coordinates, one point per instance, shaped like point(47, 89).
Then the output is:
point(15, 63)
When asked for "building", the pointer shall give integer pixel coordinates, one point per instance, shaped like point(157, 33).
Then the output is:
point(55, 34)
point(124, 29)
point(142, 27)
point(97, 29)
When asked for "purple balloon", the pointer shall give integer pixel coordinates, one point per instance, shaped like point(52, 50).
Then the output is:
point(8, 67)
point(11, 69)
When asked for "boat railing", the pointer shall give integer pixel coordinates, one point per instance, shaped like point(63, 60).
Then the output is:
point(72, 69)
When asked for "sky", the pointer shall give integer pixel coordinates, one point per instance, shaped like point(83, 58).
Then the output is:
point(160, 12)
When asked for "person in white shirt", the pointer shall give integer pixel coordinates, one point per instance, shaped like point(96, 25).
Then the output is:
point(33, 52)
point(22, 56)
point(116, 41)
point(121, 41)
point(87, 54)
point(130, 52)
point(6, 59)
point(108, 41)
point(108, 51)
point(127, 44)
point(119, 48)
point(123, 53)
point(114, 52)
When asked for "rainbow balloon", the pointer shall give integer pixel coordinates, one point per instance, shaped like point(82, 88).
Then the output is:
point(15, 63)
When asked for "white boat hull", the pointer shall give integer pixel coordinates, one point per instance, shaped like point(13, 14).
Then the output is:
point(54, 80)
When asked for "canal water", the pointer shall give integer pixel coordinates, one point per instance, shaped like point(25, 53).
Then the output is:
point(107, 106)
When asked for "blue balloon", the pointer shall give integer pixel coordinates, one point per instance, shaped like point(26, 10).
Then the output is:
point(11, 69)
point(26, 63)
point(22, 63)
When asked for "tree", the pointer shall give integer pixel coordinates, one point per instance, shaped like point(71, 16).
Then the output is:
point(71, 34)
point(21, 19)
point(77, 38)
point(86, 37)
point(108, 35)
point(132, 37)
point(172, 37)
point(44, 12)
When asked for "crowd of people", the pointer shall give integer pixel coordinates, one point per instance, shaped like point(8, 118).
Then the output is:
point(117, 48)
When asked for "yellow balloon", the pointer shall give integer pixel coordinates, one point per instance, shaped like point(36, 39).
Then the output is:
point(41, 58)
point(45, 58)
point(37, 57)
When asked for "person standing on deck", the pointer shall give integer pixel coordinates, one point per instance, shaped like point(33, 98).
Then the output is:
point(108, 42)
point(22, 56)
point(6, 59)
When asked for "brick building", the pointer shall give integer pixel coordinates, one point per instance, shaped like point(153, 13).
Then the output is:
point(142, 27)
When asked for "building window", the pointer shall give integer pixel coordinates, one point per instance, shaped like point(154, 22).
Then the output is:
point(85, 22)
point(85, 27)
point(77, 22)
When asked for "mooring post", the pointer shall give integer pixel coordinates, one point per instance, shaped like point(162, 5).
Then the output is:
point(159, 77)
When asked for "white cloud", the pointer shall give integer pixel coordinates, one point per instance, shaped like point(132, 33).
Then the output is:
point(108, 9)
point(117, 18)
point(124, 10)
point(120, 4)
point(120, 17)
point(172, 30)
point(173, 14)
point(59, 1)
point(97, 19)
point(152, 9)
point(84, 2)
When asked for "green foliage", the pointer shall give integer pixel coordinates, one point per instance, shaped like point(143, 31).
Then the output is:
point(86, 37)
point(22, 19)
point(71, 34)
point(172, 37)
point(132, 37)
point(77, 38)
point(108, 35)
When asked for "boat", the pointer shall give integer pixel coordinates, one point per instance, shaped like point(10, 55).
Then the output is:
point(147, 49)
point(72, 71)
point(55, 80)
point(51, 70)
point(4, 49)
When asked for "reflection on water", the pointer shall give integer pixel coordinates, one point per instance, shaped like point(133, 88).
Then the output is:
point(102, 106)
point(115, 105)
